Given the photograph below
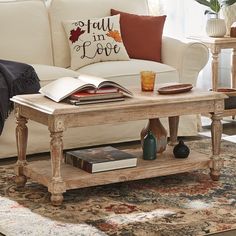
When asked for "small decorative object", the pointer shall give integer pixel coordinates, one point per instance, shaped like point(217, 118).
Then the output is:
point(233, 30)
point(160, 133)
point(215, 27)
point(149, 147)
point(229, 14)
point(177, 88)
point(147, 80)
point(181, 150)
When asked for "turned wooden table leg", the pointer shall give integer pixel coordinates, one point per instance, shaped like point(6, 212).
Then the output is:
point(21, 141)
point(173, 128)
point(214, 67)
point(216, 162)
point(57, 185)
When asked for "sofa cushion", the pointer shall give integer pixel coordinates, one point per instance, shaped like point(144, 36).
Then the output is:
point(62, 10)
point(48, 73)
point(22, 39)
point(127, 73)
point(95, 40)
point(142, 35)
point(128, 76)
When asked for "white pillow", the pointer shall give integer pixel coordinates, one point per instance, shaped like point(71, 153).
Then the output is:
point(95, 40)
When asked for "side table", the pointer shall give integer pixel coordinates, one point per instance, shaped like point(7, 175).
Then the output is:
point(215, 45)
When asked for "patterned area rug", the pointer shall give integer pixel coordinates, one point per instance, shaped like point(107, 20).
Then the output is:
point(182, 204)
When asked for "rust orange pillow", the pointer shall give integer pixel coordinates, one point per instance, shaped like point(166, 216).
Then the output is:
point(142, 35)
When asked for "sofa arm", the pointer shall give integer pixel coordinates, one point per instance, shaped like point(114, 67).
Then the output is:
point(187, 57)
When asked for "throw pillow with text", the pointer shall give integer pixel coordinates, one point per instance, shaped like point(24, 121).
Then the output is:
point(95, 40)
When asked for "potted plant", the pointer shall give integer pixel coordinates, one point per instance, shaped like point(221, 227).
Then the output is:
point(215, 27)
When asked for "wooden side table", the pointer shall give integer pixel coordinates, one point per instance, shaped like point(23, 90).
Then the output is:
point(215, 45)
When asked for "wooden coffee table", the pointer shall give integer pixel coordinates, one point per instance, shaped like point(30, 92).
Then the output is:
point(59, 177)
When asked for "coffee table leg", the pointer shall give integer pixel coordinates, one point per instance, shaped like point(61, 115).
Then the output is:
point(216, 162)
point(21, 142)
point(173, 128)
point(57, 185)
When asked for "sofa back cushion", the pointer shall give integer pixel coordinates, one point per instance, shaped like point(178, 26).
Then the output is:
point(25, 32)
point(64, 10)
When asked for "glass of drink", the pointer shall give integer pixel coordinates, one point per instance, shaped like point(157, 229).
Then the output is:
point(147, 80)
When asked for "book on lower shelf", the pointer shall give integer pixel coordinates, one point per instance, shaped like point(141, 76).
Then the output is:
point(100, 159)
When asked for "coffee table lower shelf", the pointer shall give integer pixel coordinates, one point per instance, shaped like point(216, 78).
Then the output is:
point(73, 177)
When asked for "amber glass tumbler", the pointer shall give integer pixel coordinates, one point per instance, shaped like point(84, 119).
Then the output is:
point(147, 80)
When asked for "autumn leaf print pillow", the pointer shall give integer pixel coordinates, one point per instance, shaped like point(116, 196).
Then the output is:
point(95, 40)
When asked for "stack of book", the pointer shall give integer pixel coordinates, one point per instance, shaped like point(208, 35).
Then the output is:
point(100, 159)
point(84, 89)
point(107, 94)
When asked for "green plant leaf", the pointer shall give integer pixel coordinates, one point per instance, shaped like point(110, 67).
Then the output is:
point(204, 2)
point(215, 5)
point(209, 12)
point(226, 3)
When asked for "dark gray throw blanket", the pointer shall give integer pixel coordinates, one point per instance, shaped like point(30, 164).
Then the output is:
point(15, 78)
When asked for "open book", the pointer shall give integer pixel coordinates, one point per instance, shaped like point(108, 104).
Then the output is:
point(66, 86)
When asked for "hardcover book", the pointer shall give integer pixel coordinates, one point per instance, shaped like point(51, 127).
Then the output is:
point(87, 96)
point(64, 87)
point(100, 159)
point(84, 102)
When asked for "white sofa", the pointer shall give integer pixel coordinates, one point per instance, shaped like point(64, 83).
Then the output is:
point(31, 32)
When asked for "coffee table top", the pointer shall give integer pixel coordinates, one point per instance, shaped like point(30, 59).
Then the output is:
point(46, 105)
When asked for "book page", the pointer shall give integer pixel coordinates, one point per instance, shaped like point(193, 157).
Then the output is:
point(89, 79)
point(116, 85)
point(100, 83)
point(63, 87)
